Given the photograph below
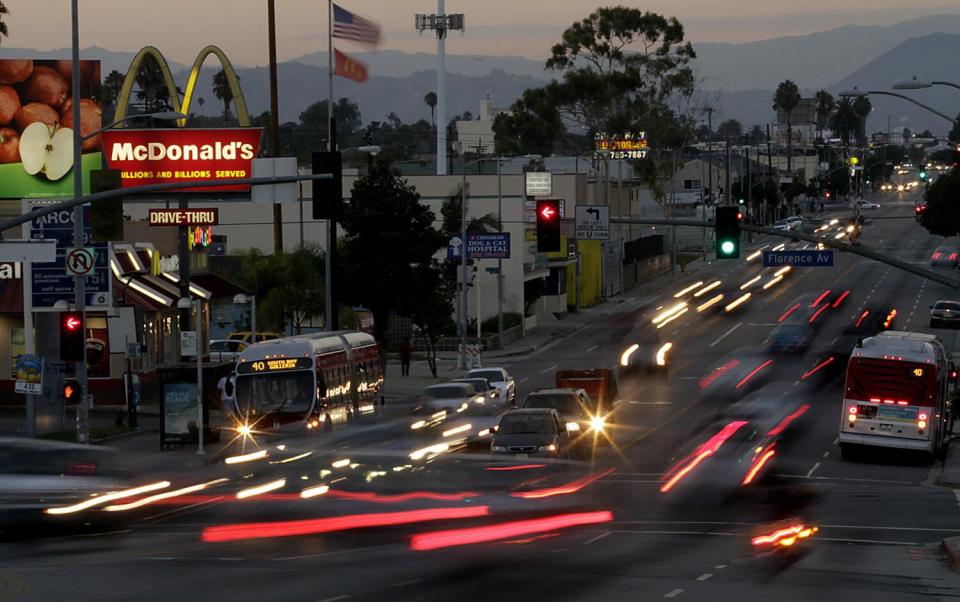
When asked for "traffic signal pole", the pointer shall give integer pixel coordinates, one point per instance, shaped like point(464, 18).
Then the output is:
point(80, 293)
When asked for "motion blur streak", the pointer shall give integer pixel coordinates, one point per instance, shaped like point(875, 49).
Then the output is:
point(818, 367)
point(625, 356)
point(437, 448)
point(822, 296)
point(890, 317)
point(710, 303)
point(785, 537)
point(332, 524)
point(668, 312)
point(257, 490)
point(707, 288)
point(780, 247)
point(782, 270)
point(817, 313)
point(257, 455)
point(108, 497)
point(840, 235)
point(295, 458)
point(787, 420)
point(750, 282)
point(662, 354)
point(753, 373)
point(737, 302)
point(571, 487)
point(772, 282)
point(163, 496)
point(862, 317)
point(755, 254)
point(757, 466)
point(841, 298)
point(314, 491)
point(696, 284)
point(341, 463)
point(707, 380)
point(787, 313)
point(672, 318)
point(700, 454)
point(370, 496)
point(461, 537)
point(517, 467)
point(457, 429)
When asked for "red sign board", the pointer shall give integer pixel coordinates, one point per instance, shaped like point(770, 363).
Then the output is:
point(184, 217)
point(158, 156)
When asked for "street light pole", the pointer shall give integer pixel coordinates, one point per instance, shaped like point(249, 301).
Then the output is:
point(80, 293)
point(464, 195)
point(500, 261)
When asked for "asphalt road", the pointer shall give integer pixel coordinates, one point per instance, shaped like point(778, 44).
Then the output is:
point(880, 518)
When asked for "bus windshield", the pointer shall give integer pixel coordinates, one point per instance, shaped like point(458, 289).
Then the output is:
point(891, 381)
point(289, 392)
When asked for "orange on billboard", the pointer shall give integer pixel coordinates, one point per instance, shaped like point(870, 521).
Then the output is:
point(36, 126)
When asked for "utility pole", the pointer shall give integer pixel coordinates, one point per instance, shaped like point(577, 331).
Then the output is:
point(710, 153)
point(770, 167)
point(274, 122)
point(726, 171)
point(441, 23)
point(80, 293)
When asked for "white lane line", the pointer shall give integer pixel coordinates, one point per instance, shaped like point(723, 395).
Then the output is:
point(597, 538)
point(837, 440)
point(524, 379)
point(704, 576)
point(335, 598)
point(727, 333)
point(674, 593)
point(815, 467)
point(825, 454)
point(406, 583)
point(634, 402)
point(553, 367)
point(591, 348)
point(720, 566)
point(796, 382)
point(956, 494)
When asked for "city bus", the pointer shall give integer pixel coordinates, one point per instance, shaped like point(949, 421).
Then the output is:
point(317, 380)
point(895, 394)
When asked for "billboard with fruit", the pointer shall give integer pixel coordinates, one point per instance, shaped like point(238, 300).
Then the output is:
point(36, 126)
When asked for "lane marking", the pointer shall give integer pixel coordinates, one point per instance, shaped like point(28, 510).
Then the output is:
point(720, 566)
point(335, 598)
point(815, 467)
point(589, 349)
point(727, 333)
point(524, 379)
point(825, 454)
point(553, 367)
point(704, 576)
point(597, 538)
point(674, 593)
point(406, 583)
point(634, 402)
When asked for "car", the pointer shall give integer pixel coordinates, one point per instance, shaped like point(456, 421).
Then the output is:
point(531, 432)
point(782, 225)
point(864, 204)
point(795, 221)
point(788, 338)
point(944, 255)
point(644, 351)
point(945, 313)
point(226, 350)
point(578, 410)
point(482, 386)
point(499, 378)
point(246, 336)
point(919, 210)
point(449, 397)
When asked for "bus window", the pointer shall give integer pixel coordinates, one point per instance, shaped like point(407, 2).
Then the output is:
point(880, 380)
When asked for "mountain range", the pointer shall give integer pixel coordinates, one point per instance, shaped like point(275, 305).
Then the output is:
point(742, 76)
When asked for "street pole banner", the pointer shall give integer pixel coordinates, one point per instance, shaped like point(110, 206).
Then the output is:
point(29, 374)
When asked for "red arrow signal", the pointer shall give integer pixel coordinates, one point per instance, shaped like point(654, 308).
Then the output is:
point(72, 323)
point(548, 212)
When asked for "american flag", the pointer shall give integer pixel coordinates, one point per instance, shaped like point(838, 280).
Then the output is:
point(349, 26)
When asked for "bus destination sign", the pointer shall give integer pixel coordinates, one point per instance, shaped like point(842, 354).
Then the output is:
point(274, 365)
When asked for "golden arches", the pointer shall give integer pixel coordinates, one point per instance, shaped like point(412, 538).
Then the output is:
point(243, 117)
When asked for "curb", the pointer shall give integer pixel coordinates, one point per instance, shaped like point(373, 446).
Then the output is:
point(951, 545)
point(127, 435)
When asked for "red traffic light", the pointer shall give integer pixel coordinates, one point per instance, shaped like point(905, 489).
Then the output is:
point(548, 212)
point(70, 391)
point(740, 215)
point(72, 322)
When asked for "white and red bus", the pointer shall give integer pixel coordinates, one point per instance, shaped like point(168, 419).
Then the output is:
point(316, 379)
point(895, 394)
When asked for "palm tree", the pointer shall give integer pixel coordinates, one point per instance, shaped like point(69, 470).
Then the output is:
point(431, 100)
point(844, 120)
point(862, 108)
point(786, 99)
point(221, 89)
point(825, 106)
point(3, 26)
point(201, 101)
point(110, 91)
point(152, 90)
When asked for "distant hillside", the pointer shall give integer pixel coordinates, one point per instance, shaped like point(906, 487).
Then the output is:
point(400, 64)
point(814, 60)
point(109, 59)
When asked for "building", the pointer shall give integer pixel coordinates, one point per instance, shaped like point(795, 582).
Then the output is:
point(803, 124)
point(476, 136)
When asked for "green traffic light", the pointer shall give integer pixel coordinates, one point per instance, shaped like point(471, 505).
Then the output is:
point(727, 247)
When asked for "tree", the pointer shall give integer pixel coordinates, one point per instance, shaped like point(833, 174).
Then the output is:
point(757, 135)
point(389, 255)
point(825, 105)
point(942, 216)
point(152, 89)
point(290, 287)
point(533, 124)
point(451, 213)
point(109, 93)
point(201, 101)
point(221, 89)
point(730, 129)
point(431, 99)
point(4, 32)
point(954, 135)
point(844, 121)
point(786, 99)
point(861, 108)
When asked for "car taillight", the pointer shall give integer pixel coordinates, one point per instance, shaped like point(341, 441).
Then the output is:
point(953, 256)
point(923, 416)
point(853, 409)
point(937, 255)
point(81, 468)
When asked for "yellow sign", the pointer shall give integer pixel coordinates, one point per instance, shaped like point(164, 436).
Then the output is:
point(918, 371)
point(625, 146)
point(854, 160)
point(284, 364)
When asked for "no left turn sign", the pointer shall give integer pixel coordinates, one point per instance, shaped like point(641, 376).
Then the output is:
point(80, 261)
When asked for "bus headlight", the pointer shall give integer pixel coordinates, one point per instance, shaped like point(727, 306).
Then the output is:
point(573, 426)
point(597, 423)
point(244, 430)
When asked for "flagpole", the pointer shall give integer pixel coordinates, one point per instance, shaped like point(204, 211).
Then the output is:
point(330, 320)
point(331, 140)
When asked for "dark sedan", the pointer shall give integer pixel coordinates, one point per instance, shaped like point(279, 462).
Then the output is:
point(789, 338)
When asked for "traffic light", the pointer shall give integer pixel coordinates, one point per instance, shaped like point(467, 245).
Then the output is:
point(923, 172)
point(328, 194)
point(105, 216)
point(72, 339)
point(727, 233)
point(548, 226)
point(71, 391)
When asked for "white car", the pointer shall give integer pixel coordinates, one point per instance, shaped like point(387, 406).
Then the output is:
point(500, 379)
point(795, 222)
point(226, 350)
point(862, 204)
point(782, 225)
point(450, 397)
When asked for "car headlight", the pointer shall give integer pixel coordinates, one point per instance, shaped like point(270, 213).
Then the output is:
point(573, 426)
point(547, 448)
point(597, 423)
point(498, 448)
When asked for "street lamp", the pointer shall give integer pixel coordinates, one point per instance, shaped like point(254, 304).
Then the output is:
point(241, 299)
point(856, 93)
point(918, 84)
point(186, 303)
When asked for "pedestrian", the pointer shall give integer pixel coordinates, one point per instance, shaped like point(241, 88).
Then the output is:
point(821, 206)
point(406, 350)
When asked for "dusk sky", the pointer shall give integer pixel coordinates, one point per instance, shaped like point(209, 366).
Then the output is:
point(494, 27)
